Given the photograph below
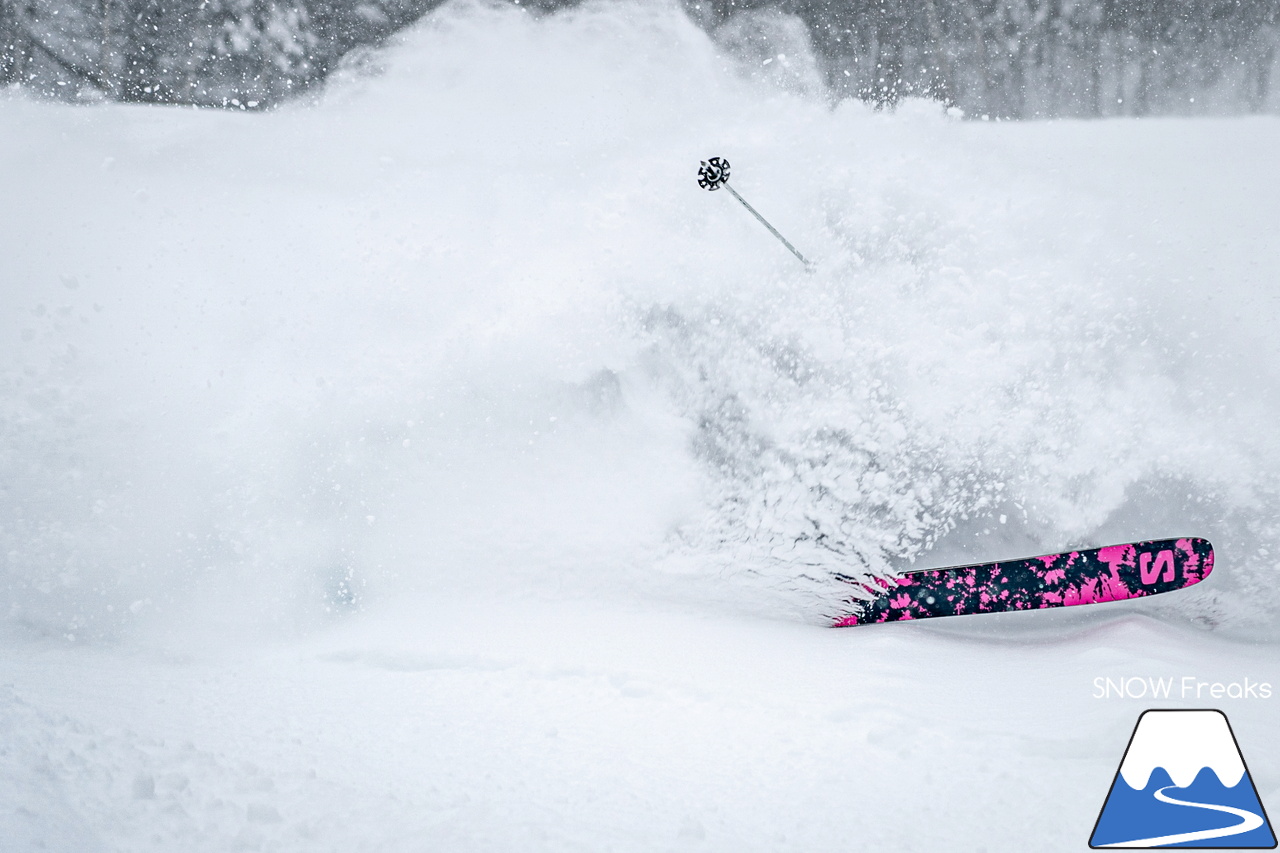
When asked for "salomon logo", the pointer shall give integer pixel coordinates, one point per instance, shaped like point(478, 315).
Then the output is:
point(1151, 569)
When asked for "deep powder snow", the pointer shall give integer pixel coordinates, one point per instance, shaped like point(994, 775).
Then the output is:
point(451, 391)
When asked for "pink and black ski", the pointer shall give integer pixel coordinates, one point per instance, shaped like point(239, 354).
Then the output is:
point(1114, 573)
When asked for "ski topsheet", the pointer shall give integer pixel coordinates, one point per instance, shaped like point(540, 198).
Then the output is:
point(1114, 573)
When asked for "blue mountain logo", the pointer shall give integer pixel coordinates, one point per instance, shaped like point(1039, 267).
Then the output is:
point(1183, 783)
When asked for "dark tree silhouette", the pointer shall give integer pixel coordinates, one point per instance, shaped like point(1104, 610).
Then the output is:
point(996, 58)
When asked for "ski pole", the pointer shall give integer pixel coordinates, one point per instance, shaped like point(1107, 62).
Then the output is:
point(714, 174)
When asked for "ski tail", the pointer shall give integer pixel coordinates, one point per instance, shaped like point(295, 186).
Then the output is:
point(1113, 573)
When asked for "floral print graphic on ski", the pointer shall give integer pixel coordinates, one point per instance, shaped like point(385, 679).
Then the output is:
point(1113, 573)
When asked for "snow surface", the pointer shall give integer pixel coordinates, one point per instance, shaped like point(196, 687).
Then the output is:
point(434, 466)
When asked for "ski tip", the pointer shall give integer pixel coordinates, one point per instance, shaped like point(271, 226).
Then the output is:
point(1202, 548)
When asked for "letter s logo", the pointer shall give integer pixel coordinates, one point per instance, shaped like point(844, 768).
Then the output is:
point(1150, 570)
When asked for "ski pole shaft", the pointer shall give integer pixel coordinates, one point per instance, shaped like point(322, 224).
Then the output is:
point(765, 223)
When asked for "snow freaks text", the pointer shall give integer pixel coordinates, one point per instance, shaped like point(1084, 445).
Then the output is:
point(1172, 687)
